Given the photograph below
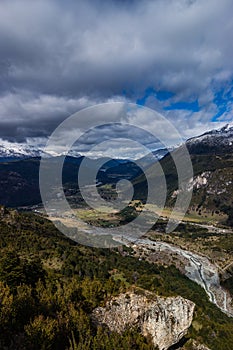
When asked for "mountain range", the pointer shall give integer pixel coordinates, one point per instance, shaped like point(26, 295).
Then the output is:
point(211, 155)
point(209, 142)
point(16, 151)
point(10, 151)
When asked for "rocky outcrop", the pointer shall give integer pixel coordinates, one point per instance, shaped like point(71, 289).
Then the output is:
point(165, 320)
point(193, 345)
point(197, 346)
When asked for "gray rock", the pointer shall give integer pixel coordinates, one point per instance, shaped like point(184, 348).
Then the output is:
point(165, 320)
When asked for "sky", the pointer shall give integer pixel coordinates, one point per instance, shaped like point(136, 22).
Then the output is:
point(58, 57)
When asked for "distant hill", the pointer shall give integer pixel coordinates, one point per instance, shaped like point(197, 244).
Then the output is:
point(19, 179)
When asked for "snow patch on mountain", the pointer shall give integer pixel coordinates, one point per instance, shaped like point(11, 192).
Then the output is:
point(214, 138)
point(13, 150)
point(223, 135)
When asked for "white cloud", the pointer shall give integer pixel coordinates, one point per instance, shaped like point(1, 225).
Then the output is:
point(57, 57)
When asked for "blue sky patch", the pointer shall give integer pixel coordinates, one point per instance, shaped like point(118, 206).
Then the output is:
point(189, 106)
point(221, 100)
point(159, 95)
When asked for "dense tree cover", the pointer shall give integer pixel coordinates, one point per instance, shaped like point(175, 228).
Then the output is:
point(49, 285)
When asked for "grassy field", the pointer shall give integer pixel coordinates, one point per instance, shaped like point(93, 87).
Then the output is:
point(190, 216)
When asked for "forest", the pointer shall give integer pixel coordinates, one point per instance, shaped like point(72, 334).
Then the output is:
point(49, 286)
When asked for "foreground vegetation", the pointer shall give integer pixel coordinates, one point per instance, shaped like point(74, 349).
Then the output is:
point(49, 285)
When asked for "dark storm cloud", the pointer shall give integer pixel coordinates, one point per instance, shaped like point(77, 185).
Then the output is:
point(57, 57)
point(119, 132)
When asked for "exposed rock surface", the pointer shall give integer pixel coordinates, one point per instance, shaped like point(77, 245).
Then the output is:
point(194, 345)
point(165, 320)
point(197, 346)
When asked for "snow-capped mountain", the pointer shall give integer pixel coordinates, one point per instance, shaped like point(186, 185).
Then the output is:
point(153, 157)
point(13, 150)
point(17, 151)
point(214, 141)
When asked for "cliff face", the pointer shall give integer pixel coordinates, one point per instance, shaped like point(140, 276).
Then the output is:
point(165, 320)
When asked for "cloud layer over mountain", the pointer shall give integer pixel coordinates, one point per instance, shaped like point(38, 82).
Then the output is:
point(57, 57)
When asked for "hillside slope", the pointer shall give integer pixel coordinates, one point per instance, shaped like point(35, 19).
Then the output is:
point(212, 159)
point(49, 287)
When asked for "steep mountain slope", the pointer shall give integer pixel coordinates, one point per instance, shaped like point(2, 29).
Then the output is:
point(19, 183)
point(212, 159)
point(219, 141)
